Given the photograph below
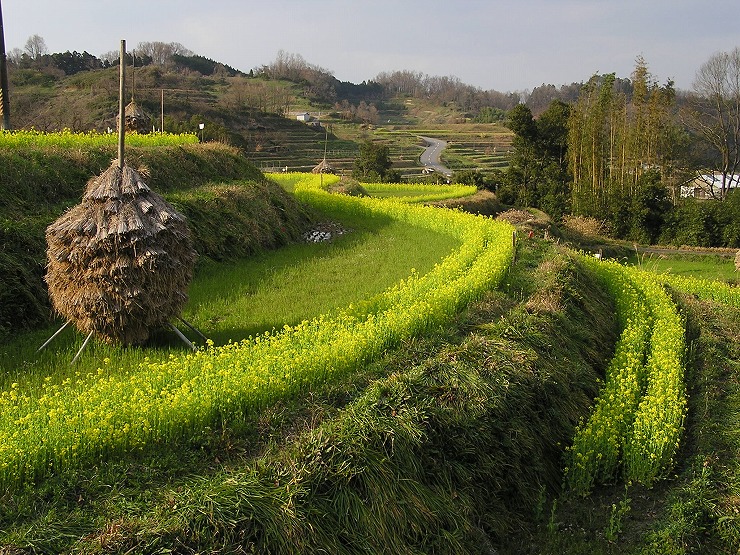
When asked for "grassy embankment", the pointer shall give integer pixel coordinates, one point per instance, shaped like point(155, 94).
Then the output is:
point(38, 184)
point(447, 444)
point(438, 410)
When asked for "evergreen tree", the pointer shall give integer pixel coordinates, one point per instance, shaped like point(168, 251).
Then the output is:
point(374, 163)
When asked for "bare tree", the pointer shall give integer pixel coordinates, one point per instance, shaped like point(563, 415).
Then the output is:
point(36, 47)
point(161, 52)
point(15, 55)
point(714, 114)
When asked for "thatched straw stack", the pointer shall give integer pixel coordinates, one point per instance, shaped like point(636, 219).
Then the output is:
point(323, 167)
point(135, 119)
point(120, 262)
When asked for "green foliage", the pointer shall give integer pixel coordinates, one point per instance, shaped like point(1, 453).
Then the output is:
point(537, 175)
point(374, 164)
point(703, 223)
point(203, 65)
point(648, 208)
point(471, 177)
point(487, 114)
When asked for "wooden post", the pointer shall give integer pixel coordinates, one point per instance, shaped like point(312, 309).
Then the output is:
point(4, 100)
point(121, 108)
point(84, 344)
point(182, 337)
point(161, 129)
point(68, 322)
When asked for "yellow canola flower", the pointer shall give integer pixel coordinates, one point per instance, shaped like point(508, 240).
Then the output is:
point(629, 428)
point(166, 400)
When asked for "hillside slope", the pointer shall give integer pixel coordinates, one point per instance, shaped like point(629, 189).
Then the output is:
point(258, 115)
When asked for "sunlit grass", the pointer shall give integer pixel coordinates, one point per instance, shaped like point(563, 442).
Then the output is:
point(706, 267)
point(233, 301)
point(247, 297)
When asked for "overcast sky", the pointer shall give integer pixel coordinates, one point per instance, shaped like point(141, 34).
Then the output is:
point(507, 45)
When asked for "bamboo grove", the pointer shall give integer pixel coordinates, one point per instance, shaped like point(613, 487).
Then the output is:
point(619, 145)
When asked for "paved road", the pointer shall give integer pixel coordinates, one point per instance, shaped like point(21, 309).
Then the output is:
point(430, 157)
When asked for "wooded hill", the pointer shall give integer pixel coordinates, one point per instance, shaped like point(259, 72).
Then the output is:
point(614, 149)
point(256, 111)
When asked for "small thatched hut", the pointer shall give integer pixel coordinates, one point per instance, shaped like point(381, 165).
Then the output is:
point(120, 262)
point(135, 119)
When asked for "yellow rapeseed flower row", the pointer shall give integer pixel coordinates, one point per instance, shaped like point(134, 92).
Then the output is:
point(422, 192)
point(96, 416)
point(93, 139)
point(706, 289)
point(638, 418)
point(655, 435)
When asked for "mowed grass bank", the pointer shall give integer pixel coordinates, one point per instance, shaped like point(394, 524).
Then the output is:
point(446, 444)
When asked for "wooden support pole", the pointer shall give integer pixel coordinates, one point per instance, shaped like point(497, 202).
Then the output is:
point(196, 330)
point(161, 113)
point(121, 107)
point(84, 344)
point(184, 339)
point(4, 98)
point(53, 336)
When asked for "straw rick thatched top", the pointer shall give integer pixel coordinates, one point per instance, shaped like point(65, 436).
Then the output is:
point(323, 167)
point(135, 119)
point(120, 262)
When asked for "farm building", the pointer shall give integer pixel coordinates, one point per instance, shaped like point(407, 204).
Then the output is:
point(303, 116)
point(708, 186)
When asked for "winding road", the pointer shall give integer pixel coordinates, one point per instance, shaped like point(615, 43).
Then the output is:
point(430, 157)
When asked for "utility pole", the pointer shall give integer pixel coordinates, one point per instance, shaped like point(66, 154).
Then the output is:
point(4, 100)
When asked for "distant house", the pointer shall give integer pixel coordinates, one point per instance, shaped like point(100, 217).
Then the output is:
point(304, 116)
point(708, 186)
